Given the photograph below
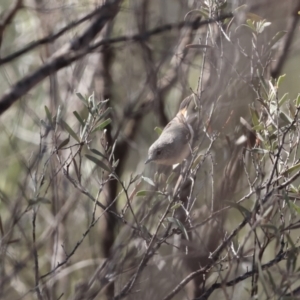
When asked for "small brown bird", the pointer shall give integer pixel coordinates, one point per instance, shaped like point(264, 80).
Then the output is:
point(174, 143)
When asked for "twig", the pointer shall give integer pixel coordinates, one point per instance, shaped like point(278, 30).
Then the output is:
point(8, 16)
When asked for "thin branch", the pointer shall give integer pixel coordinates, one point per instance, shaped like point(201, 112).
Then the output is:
point(8, 16)
point(65, 57)
point(279, 257)
point(286, 42)
point(48, 39)
point(35, 255)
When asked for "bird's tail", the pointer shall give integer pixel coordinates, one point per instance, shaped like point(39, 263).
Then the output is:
point(183, 109)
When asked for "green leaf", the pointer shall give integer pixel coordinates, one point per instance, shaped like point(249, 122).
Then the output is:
point(176, 205)
point(259, 150)
point(158, 130)
point(283, 99)
point(298, 100)
point(275, 39)
point(48, 114)
point(75, 113)
point(244, 211)
point(291, 169)
point(98, 162)
point(102, 125)
point(270, 227)
point(143, 193)
point(197, 46)
point(83, 99)
point(38, 200)
point(280, 79)
point(170, 178)
point(250, 24)
point(70, 131)
point(148, 180)
point(115, 164)
point(64, 143)
point(254, 117)
point(98, 153)
point(286, 119)
point(91, 100)
point(135, 178)
point(197, 160)
point(295, 207)
point(105, 113)
point(179, 225)
point(254, 17)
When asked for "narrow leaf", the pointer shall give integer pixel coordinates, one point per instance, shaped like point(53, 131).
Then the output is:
point(158, 130)
point(280, 79)
point(142, 193)
point(98, 162)
point(98, 153)
point(148, 180)
point(197, 46)
point(286, 119)
point(48, 114)
point(70, 131)
point(102, 125)
point(295, 207)
point(291, 169)
point(75, 113)
point(276, 38)
point(283, 99)
point(244, 211)
point(179, 225)
point(64, 143)
point(176, 205)
point(105, 113)
point(259, 150)
point(83, 99)
point(298, 100)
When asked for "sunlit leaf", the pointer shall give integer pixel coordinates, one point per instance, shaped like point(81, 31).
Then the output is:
point(298, 100)
point(283, 99)
point(176, 205)
point(276, 38)
point(158, 130)
point(250, 24)
point(148, 180)
point(115, 164)
point(170, 178)
point(254, 116)
point(143, 193)
point(280, 79)
point(254, 17)
point(291, 169)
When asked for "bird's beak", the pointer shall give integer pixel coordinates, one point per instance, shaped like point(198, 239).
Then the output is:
point(148, 160)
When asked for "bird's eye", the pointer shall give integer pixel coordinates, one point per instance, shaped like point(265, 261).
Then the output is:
point(158, 152)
